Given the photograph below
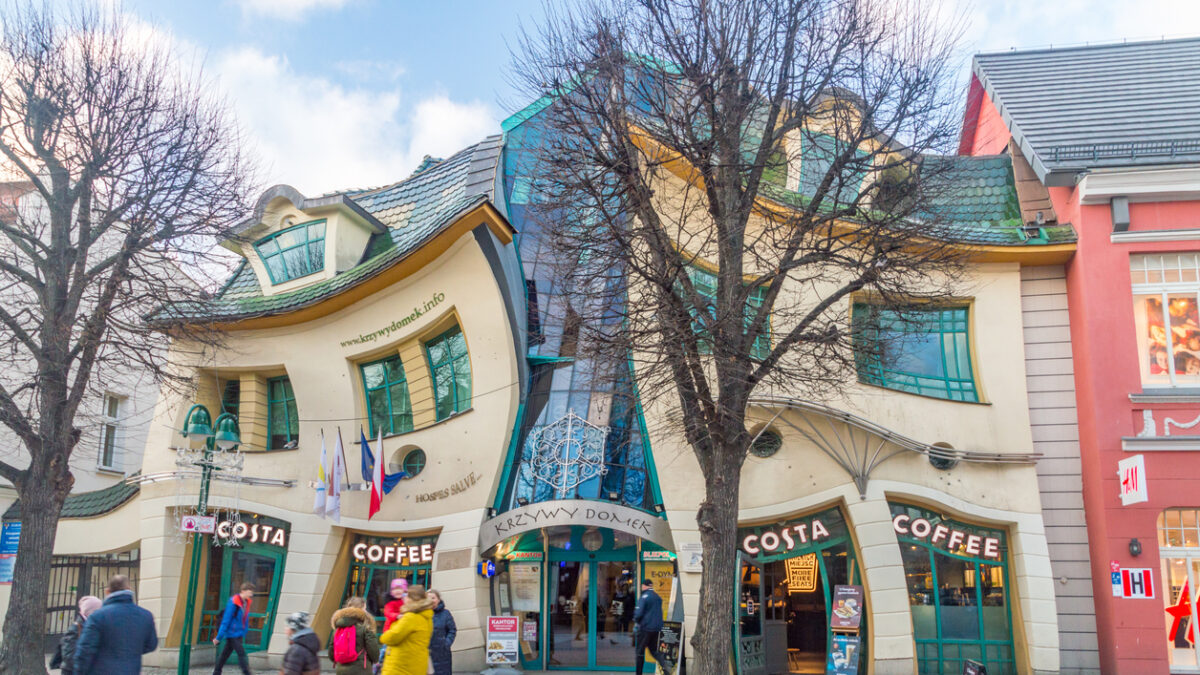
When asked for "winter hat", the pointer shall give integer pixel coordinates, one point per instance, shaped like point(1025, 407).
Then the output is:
point(401, 583)
point(89, 604)
point(298, 620)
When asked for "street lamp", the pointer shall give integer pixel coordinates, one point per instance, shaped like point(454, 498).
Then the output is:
point(198, 427)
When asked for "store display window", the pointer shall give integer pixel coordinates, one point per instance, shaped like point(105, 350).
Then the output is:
point(958, 591)
point(1179, 553)
point(375, 561)
point(1166, 312)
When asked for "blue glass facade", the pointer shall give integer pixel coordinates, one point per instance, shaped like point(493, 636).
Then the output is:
point(602, 393)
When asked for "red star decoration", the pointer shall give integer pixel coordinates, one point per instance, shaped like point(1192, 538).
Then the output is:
point(1179, 610)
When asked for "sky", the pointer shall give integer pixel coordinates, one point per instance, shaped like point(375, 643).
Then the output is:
point(336, 94)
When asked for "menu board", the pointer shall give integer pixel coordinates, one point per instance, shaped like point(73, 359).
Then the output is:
point(502, 637)
point(525, 581)
point(843, 655)
point(669, 640)
point(847, 608)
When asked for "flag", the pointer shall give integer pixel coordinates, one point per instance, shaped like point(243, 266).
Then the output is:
point(337, 469)
point(319, 502)
point(390, 480)
point(377, 479)
point(368, 460)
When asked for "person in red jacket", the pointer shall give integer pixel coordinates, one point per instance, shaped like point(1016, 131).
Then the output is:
point(394, 608)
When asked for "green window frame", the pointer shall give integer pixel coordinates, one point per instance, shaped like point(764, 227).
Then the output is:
point(295, 252)
point(924, 350)
point(705, 283)
point(231, 397)
point(283, 420)
point(414, 462)
point(389, 406)
point(939, 650)
point(450, 368)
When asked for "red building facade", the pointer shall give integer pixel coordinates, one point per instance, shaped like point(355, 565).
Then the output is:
point(1112, 136)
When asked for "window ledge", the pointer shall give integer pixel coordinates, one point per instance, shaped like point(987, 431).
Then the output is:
point(264, 451)
point(927, 396)
point(110, 470)
point(429, 426)
point(1167, 395)
point(1160, 443)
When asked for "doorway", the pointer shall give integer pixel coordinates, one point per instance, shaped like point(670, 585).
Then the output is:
point(591, 614)
point(229, 568)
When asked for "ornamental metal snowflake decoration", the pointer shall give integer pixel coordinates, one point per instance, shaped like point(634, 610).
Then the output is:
point(568, 453)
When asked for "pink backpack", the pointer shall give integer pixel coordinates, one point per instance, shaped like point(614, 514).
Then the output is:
point(345, 645)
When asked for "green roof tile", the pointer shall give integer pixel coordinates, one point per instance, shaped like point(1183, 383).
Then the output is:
point(87, 504)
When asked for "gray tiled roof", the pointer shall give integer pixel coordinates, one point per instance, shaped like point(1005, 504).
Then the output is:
point(1098, 106)
point(414, 210)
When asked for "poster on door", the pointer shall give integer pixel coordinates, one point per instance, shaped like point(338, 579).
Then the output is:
point(525, 583)
point(502, 638)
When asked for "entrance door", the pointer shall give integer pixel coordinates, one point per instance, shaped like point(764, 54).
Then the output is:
point(748, 629)
point(257, 564)
point(591, 614)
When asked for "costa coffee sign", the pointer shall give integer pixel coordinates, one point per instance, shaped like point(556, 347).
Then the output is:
point(254, 533)
point(400, 555)
point(784, 538)
point(946, 537)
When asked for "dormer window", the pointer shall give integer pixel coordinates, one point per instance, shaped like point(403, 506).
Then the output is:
point(295, 252)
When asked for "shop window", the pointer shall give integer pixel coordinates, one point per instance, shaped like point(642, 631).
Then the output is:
point(915, 349)
point(957, 579)
point(388, 404)
point(1179, 553)
point(451, 369)
point(1166, 290)
point(705, 284)
point(283, 421)
point(295, 252)
point(376, 561)
point(111, 433)
point(414, 462)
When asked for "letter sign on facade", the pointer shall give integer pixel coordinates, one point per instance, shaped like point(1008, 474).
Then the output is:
point(1131, 476)
point(947, 537)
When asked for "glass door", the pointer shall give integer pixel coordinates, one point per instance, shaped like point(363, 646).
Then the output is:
point(748, 629)
point(264, 572)
point(591, 614)
point(568, 628)
point(616, 592)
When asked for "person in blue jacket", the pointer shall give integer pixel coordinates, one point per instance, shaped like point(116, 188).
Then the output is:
point(235, 623)
point(115, 637)
point(647, 624)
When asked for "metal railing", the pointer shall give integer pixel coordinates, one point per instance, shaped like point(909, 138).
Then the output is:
point(1129, 150)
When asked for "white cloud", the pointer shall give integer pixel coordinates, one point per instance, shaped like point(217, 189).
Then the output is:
point(319, 135)
point(288, 10)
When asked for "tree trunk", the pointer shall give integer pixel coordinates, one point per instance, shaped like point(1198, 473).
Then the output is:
point(22, 651)
point(717, 518)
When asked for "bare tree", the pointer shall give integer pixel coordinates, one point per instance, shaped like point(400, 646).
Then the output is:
point(124, 168)
point(716, 180)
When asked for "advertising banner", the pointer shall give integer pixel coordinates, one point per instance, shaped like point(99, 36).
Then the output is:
point(525, 581)
point(847, 608)
point(843, 655)
point(669, 641)
point(502, 638)
point(10, 538)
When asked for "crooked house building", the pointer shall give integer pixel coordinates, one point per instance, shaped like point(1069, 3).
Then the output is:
point(424, 312)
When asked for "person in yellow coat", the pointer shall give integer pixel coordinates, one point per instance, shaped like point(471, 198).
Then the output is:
point(408, 637)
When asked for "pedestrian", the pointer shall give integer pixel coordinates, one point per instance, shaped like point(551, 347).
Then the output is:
point(408, 638)
point(354, 647)
point(64, 655)
point(647, 624)
point(392, 610)
point(303, 645)
point(444, 632)
point(115, 637)
point(235, 623)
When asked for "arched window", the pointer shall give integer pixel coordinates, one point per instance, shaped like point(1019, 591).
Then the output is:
point(1179, 551)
